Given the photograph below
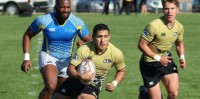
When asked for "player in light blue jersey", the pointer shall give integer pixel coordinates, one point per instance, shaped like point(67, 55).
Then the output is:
point(60, 29)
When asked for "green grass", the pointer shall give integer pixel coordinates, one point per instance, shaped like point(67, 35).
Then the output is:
point(125, 32)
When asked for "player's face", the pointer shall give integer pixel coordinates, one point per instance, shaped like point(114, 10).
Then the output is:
point(101, 40)
point(63, 8)
point(170, 11)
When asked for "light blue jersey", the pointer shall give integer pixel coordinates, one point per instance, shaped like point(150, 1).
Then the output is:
point(59, 39)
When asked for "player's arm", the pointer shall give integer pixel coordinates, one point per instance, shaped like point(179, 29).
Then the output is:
point(87, 38)
point(72, 72)
point(26, 64)
point(120, 67)
point(118, 78)
point(180, 51)
point(143, 46)
point(120, 75)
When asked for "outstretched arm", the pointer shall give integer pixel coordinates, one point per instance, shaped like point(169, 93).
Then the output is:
point(118, 78)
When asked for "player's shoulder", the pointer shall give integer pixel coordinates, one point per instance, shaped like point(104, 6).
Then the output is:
point(178, 24)
point(114, 50)
point(75, 19)
point(46, 18)
point(157, 21)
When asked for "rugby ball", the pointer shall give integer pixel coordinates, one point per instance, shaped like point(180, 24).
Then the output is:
point(86, 65)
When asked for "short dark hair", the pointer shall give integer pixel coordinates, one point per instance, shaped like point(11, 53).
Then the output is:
point(176, 2)
point(99, 27)
point(57, 1)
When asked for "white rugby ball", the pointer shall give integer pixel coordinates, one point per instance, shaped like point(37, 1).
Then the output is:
point(86, 65)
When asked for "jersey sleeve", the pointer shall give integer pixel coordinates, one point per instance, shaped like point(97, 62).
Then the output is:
point(80, 25)
point(78, 56)
point(119, 60)
point(40, 23)
point(149, 32)
point(36, 25)
point(82, 30)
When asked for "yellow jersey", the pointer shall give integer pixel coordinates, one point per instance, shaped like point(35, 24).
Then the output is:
point(161, 38)
point(104, 62)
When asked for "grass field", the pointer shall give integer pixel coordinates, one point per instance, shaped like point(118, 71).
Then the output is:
point(125, 32)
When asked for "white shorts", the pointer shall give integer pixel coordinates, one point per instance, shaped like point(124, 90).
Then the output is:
point(45, 59)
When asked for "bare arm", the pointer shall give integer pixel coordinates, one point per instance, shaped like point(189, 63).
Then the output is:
point(27, 39)
point(85, 39)
point(118, 78)
point(143, 46)
point(179, 48)
point(180, 51)
point(26, 64)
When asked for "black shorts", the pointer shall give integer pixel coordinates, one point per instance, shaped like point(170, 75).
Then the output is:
point(152, 72)
point(73, 87)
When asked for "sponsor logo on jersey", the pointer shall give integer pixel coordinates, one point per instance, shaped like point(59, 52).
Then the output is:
point(69, 30)
point(175, 34)
point(52, 29)
point(163, 34)
point(107, 61)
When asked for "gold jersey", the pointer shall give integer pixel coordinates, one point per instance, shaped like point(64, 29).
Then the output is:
point(103, 63)
point(162, 38)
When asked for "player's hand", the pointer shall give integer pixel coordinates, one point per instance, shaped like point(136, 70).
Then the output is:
point(165, 60)
point(182, 63)
point(87, 76)
point(26, 66)
point(110, 87)
point(79, 43)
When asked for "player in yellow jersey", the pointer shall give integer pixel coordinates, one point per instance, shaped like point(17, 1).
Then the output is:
point(156, 63)
point(104, 55)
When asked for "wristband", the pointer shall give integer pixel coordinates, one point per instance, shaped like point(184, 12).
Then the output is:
point(114, 83)
point(26, 56)
point(157, 57)
point(182, 56)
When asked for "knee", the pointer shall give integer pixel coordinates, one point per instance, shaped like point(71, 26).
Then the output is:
point(50, 88)
point(173, 94)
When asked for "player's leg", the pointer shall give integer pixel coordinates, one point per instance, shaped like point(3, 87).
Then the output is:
point(171, 84)
point(154, 92)
point(143, 92)
point(49, 74)
point(90, 91)
point(62, 76)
